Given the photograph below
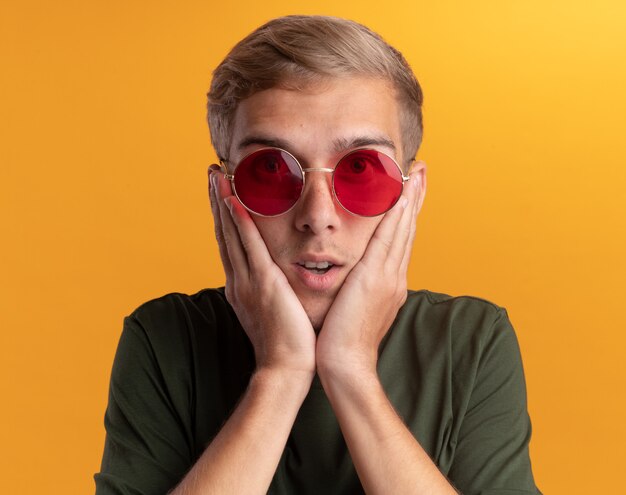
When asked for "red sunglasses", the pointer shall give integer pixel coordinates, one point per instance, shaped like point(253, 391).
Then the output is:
point(270, 181)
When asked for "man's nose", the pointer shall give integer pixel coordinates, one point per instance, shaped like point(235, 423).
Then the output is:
point(317, 209)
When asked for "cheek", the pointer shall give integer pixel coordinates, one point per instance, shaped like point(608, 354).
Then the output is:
point(366, 227)
point(273, 232)
point(360, 235)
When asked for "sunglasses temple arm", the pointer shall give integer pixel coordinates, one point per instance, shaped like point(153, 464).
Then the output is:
point(224, 169)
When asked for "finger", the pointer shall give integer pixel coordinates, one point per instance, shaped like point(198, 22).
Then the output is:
point(408, 241)
point(384, 243)
point(402, 232)
point(249, 235)
point(381, 243)
point(217, 222)
point(389, 242)
point(420, 186)
point(236, 252)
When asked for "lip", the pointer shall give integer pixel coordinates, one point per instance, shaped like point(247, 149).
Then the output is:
point(318, 258)
point(318, 282)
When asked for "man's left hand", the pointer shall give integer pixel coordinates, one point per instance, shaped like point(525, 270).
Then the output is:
point(373, 292)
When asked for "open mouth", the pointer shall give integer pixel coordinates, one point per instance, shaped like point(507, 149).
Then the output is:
point(318, 268)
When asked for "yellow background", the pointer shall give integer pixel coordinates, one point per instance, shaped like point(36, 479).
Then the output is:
point(103, 152)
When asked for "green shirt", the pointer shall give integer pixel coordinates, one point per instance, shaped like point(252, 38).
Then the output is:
point(451, 366)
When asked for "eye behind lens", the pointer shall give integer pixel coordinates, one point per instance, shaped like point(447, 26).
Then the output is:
point(268, 182)
point(367, 182)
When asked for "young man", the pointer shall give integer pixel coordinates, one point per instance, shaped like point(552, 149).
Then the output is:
point(314, 370)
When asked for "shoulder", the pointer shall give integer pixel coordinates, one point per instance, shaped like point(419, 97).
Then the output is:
point(464, 325)
point(432, 308)
point(174, 326)
point(177, 312)
point(449, 302)
point(178, 305)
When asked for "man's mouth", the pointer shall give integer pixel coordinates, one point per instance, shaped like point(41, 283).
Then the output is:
point(318, 268)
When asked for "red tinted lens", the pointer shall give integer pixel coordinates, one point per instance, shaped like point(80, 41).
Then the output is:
point(268, 181)
point(367, 182)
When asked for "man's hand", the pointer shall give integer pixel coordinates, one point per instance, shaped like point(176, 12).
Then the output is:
point(373, 292)
point(387, 458)
point(258, 290)
point(244, 455)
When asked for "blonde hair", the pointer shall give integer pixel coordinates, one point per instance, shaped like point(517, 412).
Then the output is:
point(295, 51)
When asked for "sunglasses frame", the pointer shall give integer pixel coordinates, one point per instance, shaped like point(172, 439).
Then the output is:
point(304, 171)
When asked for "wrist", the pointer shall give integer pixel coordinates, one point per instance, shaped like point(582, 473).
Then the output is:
point(347, 363)
point(287, 363)
point(351, 386)
point(351, 372)
point(283, 381)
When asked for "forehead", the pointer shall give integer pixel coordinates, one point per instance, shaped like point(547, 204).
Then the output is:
point(320, 120)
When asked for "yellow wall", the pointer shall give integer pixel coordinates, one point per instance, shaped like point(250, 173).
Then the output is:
point(103, 151)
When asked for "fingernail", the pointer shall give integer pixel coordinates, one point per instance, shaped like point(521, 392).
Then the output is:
point(404, 202)
point(415, 181)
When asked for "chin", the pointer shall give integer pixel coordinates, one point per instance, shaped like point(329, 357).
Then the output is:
point(317, 324)
point(317, 313)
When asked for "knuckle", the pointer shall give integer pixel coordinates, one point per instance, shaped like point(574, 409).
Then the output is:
point(401, 296)
point(245, 244)
point(227, 239)
point(229, 291)
point(386, 243)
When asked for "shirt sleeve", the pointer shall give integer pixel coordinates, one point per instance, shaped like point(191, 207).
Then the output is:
point(147, 448)
point(492, 456)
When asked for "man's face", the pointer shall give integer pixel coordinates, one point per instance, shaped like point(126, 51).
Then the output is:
point(318, 125)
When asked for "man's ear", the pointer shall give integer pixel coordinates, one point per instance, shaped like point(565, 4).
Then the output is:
point(418, 168)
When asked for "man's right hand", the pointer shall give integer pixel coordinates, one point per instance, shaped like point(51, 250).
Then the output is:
point(266, 305)
point(243, 457)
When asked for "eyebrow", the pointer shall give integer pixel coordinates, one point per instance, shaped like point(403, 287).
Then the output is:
point(263, 141)
point(339, 144)
point(342, 144)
